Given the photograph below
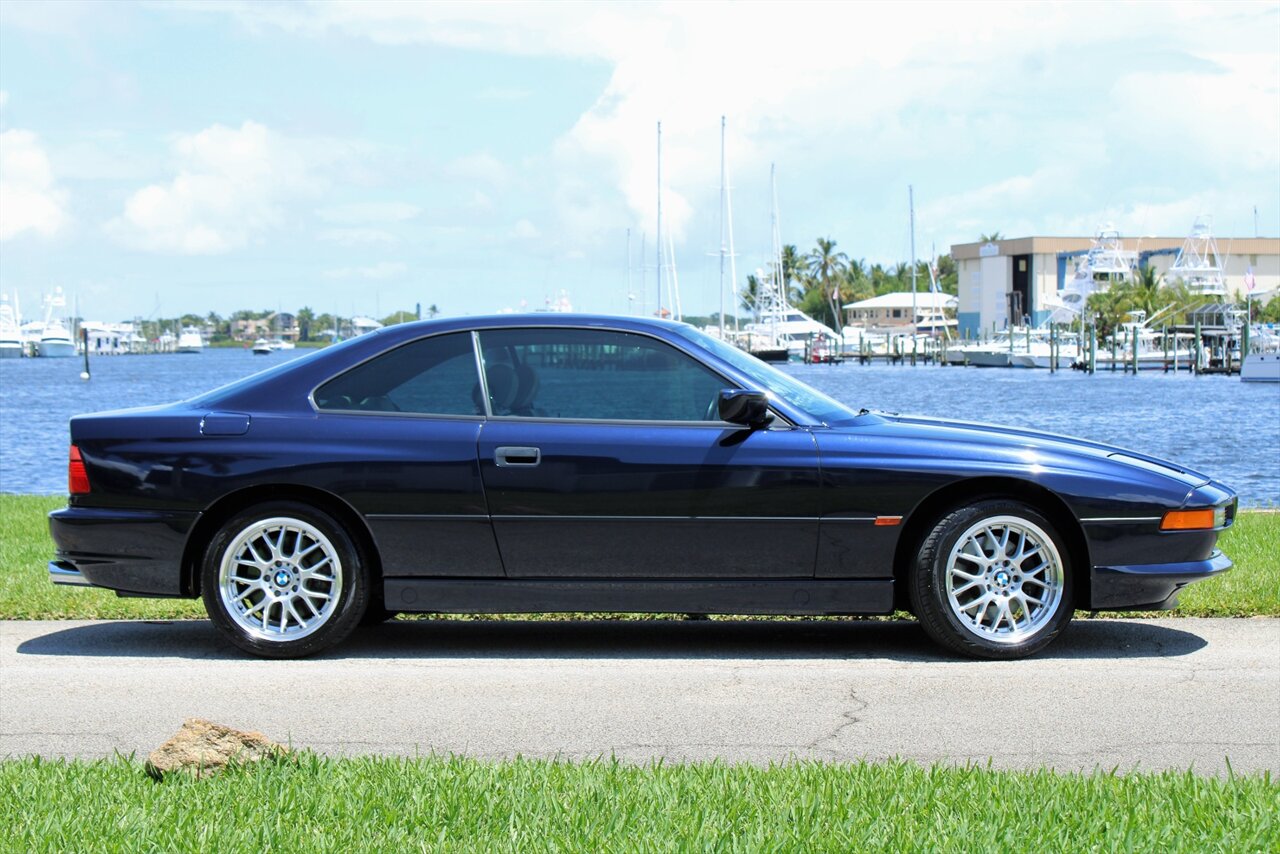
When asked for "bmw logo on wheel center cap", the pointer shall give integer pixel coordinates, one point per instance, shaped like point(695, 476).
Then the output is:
point(281, 578)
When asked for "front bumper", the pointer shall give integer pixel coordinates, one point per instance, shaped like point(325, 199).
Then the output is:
point(1149, 587)
point(129, 551)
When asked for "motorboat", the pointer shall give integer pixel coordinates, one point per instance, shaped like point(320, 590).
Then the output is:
point(1106, 262)
point(55, 341)
point(1260, 368)
point(262, 347)
point(787, 329)
point(190, 340)
point(10, 333)
point(1197, 265)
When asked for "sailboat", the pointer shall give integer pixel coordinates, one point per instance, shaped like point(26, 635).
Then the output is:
point(780, 331)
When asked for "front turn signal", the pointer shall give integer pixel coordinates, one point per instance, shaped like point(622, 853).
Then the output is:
point(1192, 520)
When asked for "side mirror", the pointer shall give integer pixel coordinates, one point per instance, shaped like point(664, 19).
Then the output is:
point(742, 406)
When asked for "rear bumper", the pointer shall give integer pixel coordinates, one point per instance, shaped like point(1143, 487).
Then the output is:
point(1151, 587)
point(64, 572)
point(131, 551)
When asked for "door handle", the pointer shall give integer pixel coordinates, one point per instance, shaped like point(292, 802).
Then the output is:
point(514, 456)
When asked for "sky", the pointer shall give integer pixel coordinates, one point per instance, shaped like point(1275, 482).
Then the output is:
point(361, 158)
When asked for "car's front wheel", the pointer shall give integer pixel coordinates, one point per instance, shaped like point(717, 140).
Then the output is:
point(993, 580)
point(284, 580)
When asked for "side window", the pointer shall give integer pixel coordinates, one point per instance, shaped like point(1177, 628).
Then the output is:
point(434, 376)
point(595, 374)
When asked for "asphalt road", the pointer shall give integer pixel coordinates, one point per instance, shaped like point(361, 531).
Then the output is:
point(1152, 694)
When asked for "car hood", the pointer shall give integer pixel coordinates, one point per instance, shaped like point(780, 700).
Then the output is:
point(998, 443)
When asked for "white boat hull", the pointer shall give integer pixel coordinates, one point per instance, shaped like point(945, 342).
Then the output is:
point(55, 349)
point(989, 358)
point(11, 350)
point(1260, 368)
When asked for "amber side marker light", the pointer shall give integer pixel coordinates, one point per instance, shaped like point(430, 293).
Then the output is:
point(77, 474)
point(1191, 520)
point(888, 521)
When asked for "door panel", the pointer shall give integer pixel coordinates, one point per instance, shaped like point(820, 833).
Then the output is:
point(652, 500)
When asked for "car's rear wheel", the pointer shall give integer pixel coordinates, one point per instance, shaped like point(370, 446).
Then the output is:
point(993, 580)
point(284, 580)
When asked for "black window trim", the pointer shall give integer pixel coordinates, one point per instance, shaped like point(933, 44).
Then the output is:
point(781, 420)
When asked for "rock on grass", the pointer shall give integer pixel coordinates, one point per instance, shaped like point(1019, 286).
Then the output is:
point(203, 747)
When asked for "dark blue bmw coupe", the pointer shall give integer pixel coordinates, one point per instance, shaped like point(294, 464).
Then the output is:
point(535, 463)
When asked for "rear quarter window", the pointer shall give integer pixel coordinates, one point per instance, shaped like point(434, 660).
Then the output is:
point(430, 376)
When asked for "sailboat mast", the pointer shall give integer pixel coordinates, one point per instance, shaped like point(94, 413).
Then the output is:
point(780, 282)
point(630, 292)
point(911, 205)
point(644, 281)
point(733, 271)
point(659, 235)
point(722, 224)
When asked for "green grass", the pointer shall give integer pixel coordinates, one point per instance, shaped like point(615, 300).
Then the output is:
point(1252, 588)
point(318, 804)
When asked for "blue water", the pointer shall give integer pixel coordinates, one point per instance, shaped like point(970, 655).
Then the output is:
point(1219, 425)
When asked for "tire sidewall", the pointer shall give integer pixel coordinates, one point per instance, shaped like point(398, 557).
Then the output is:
point(929, 585)
point(353, 595)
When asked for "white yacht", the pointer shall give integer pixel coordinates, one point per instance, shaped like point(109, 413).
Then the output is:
point(10, 333)
point(788, 328)
point(55, 341)
point(1262, 363)
point(190, 340)
point(1198, 266)
point(262, 347)
point(1107, 261)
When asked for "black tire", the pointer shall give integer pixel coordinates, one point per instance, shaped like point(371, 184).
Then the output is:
point(312, 557)
point(375, 615)
point(957, 548)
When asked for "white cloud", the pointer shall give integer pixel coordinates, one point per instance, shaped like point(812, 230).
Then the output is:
point(362, 213)
point(1130, 100)
point(30, 200)
point(525, 230)
point(381, 270)
point(480, 167)
point(356, 236)
point(232, 188)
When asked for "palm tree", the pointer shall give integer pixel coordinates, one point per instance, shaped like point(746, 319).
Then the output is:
point(826, 267)
point(991, 238)
point(306, 319)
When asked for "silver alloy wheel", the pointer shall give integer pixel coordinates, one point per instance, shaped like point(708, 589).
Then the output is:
point(279, 579)
point(1004, 579)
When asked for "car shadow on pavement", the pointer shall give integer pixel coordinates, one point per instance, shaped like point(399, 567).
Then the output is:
point(614, 639)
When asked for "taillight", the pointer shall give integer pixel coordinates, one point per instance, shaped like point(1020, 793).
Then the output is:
point(77, 474)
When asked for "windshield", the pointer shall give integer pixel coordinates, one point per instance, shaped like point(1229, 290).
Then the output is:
point(769, 379)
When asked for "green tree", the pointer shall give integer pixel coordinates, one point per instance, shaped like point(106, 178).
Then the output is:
point(826, 269)
point(991, 238)
point(398, 317)
point(306, 320)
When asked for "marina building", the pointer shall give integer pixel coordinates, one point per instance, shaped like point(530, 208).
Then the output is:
point(1007, 281)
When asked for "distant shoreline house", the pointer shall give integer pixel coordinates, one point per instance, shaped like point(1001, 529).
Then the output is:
point(281, 324)
point(1011, 280)
point(892, 311)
